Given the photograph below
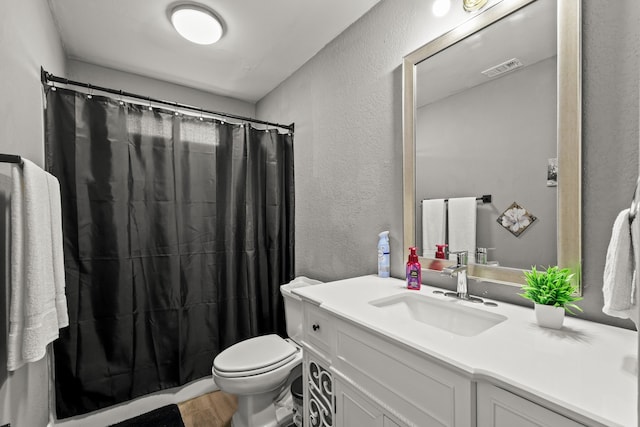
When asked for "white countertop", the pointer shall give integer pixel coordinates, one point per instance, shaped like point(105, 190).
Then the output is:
point(586, 367)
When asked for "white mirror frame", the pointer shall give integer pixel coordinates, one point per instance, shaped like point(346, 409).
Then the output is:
point(569, 135)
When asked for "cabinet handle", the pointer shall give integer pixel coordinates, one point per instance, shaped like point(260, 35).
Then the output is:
point(316, 327)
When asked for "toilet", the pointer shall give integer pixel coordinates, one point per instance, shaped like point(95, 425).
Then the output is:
point(260, 370)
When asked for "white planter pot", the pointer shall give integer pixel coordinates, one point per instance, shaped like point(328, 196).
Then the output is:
point(549, 316)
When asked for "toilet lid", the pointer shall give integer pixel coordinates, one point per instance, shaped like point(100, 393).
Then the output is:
point(254, 356)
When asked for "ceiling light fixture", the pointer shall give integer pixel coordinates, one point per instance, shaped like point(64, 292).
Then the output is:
point(196, 23)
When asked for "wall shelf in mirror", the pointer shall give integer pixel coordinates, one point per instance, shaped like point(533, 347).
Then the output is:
point(534, 111)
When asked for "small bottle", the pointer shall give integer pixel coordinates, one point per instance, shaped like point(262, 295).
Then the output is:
point(383, 254)
point(440, 251)
point(414, 271)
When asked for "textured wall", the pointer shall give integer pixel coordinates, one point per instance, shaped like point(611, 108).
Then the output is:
point(108, 77)
point(611, 50)
point(346, 104)
point(28, 40)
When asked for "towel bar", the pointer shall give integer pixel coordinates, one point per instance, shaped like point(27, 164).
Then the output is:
point(11, 158)
point(486, 198)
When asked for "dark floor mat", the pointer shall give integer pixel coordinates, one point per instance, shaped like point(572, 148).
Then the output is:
point(167, 416)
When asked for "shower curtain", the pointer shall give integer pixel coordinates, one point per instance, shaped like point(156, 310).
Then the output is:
point(178, 232)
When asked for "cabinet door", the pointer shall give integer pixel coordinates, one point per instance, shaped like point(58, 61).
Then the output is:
point(500, 408)
point(354, 410)
point(319, 394)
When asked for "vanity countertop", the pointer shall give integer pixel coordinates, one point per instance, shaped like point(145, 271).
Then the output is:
point(586, 367)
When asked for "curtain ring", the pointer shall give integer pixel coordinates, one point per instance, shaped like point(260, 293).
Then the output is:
point(89, 95)
point(121, 101)
point(175, 109)
point(201, 118)
point(149, 100)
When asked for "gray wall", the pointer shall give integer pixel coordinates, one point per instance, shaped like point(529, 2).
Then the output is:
point(346, 104)
point(108, 77)
point(502, 148)
point(28, 39)
point(610, 132)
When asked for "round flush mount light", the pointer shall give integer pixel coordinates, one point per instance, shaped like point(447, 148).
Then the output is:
point(196, 23)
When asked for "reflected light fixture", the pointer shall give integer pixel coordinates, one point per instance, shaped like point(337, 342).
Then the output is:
point(473, 5)
point(196, 23)
point(440, 7)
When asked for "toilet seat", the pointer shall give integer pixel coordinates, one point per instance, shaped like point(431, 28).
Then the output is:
point(254, 356)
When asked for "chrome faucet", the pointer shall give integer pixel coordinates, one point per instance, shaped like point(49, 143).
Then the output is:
point(460, 271)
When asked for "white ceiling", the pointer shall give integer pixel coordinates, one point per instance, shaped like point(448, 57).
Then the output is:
point(528, 35)
point(263, 44)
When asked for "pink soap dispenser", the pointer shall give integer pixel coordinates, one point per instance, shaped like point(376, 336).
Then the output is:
point(414, 271)
point(440, 254)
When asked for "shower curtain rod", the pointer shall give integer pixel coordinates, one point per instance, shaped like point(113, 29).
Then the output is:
point(47, 77)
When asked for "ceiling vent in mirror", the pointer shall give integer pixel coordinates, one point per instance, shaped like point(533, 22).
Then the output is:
point(505, 67)
point(196, 23)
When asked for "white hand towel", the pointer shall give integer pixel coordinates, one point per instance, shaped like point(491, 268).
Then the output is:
point(618, 281)
point(634, 310)
point(462, 226)
point(37, 307)
point(433, 226)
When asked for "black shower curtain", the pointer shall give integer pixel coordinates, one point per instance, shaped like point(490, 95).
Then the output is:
point(178, 233)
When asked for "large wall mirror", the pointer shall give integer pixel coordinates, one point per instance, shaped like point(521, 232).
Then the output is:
point(493, 108)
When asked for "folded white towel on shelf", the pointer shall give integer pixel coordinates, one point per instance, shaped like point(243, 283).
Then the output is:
point(619, 271)
point(433, 226)
point(38, 305)
point(462, 226)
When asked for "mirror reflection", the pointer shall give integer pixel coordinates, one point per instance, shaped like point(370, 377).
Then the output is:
point(492, 134)
point(485, 123)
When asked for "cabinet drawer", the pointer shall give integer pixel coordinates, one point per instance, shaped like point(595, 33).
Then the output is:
point(318, 329)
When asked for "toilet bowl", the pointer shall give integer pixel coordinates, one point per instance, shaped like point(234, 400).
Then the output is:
point(260, 370)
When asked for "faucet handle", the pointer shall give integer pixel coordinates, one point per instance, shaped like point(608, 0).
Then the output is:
point(481, 255)
point(463, 256)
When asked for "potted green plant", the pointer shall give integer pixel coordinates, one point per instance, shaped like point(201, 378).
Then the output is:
point(553, 292)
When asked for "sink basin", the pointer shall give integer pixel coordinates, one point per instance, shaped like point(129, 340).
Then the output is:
point(451, 316)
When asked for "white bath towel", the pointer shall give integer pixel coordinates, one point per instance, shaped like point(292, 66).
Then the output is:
point(619, 271)
point(634, 311)
point(433, 226)
point(38, 305)
point(462, 226)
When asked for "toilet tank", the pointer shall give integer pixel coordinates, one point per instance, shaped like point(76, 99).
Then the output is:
point(293, 306)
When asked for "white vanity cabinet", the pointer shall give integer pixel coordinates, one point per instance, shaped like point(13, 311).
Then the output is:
point(356, 410)
point(356, 377)
point(386, 368)
point(500, 408)
point(319, 385)
point(376, 382)
point(319, 393)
